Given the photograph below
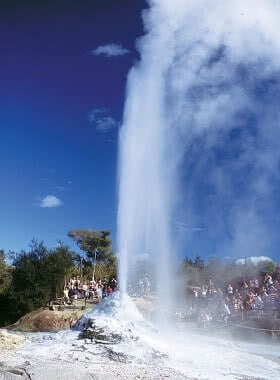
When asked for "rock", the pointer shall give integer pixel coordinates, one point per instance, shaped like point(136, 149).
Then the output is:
point(10, 341)
point(43, 320)
point(14, 374)
point(98, 335)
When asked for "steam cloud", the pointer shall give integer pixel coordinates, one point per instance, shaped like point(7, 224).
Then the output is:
point(202, 120)
point(222, 96)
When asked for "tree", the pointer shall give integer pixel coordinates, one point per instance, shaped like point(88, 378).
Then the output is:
point(191, 271)
point(37, 276)
point(96, 245)
point(5, 272)
point(187, 263)
point(199, 263)
point(57, 266)
point(267, 267)
point(91, 242)
point(28, 289)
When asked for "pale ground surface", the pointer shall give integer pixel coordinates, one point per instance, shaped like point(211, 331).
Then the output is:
point(47, 358)
point(74, 359)
point(143, 353)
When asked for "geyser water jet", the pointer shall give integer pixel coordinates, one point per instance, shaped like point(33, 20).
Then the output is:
point(145, 191)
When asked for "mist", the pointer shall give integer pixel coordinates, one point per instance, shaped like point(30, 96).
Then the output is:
point(199, 144)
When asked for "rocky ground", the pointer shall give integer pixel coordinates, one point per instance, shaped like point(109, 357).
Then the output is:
point(64, 371)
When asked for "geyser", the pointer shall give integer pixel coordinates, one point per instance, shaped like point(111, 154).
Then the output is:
point(197, 80)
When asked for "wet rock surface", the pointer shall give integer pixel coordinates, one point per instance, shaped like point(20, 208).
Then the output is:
point(98, 334)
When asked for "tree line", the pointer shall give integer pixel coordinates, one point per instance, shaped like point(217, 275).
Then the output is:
point(30, 278)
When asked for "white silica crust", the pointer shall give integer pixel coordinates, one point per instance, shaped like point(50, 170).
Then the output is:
point(117, 307)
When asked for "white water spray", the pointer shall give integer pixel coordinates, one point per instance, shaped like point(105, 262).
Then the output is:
point(146, 173)
point(188, 85)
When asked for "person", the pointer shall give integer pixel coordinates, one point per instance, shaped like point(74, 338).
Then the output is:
point(249, 300)
point(204, 291)
point(195, 292)
point(104, 289)
point(257, 302)
point(66, 294)
point(256, 284)
point(75, 297)
point(99, 290)
point(77, 283)
point(113, 283)
point(268, 280)
point(109, 290)
point(90, 292)
point(85, 290)
point(230, 290)
point(219, 295)
point(224, 310)
point(252, 283)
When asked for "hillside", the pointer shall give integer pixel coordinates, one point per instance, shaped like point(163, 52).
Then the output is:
point(44, 320)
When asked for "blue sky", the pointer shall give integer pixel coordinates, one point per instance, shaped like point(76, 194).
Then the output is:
point(52, 83)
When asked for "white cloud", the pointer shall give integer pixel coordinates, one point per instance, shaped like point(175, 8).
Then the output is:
point(100, 119)
point(110, 50)
point(105, 124)
point(253, 259)
point(50, 201)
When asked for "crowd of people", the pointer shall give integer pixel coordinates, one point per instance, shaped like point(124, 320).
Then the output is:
point(258, 294)
point(76, 289)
